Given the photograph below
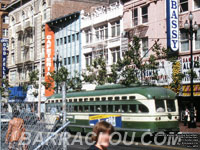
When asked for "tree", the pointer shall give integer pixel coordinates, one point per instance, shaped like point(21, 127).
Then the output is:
point(4, 89)
point(61, 76)
point(97, 72)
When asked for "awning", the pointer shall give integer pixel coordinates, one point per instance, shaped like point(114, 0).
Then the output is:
point(17, 94)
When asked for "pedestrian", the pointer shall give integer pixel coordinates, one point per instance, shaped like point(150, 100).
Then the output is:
point(16, 132)
point(192, 123)
point(186, 116)
point(101, 135)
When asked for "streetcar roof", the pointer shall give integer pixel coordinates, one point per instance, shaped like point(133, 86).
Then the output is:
point(150, 92)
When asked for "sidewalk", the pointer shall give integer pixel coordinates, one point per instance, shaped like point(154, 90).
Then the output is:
point(186, 129)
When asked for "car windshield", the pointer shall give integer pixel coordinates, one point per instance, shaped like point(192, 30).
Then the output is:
point(171, 106)
point(160, 105)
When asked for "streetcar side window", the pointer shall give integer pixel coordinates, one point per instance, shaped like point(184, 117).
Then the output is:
point(80, 99)
point(98, 108)
point(75, 108)
point(103, 98)
point(133, 109)
point(97, 99)
point(117, 98)
point(110, 108)
point(131, 97)
point(171, 106)
point(110, 98)
point(80, 108)
point(124, 108)
point(160, 105)
point(85, 99)
point(103, 107)
point(92, 108)
point(124, 97)
point(117, 108)
point(142, 109)
point(86, 108)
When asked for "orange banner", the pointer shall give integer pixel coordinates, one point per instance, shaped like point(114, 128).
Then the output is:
point(49, 54)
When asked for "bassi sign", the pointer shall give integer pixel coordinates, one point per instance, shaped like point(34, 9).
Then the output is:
point(172, 25)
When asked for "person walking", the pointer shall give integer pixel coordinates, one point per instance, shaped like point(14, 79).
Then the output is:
point(16, 132)
point(101, 135)
point(186, 117)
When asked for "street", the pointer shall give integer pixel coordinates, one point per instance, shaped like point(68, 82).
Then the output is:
point(36, 134)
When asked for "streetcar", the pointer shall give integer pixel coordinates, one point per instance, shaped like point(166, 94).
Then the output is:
point(130, 109)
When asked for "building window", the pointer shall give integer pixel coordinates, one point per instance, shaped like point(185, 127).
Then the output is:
point(135, 17)
point(43, 71)
point(73, 59)
point(88, 59)
point(12, 58)
point(61, 41)
point(184, 40)
point(73, 37)
point(57, 42)
point(5, 32)
point(115, 54)
point(65, 61)
point(145, 47)
point(69, 60)
point(101, 32)
point(116, 29)
point(23, 15)
point(183, 5)
point(5, 19)
point(144, 14)
point(77, 59)
point(102, 54)
point(197, 40)
point(77, 36)
point(196, 4)
point(65, 40)
point(13, 43)
point(12, 76)
point(3, 6)
point(69, 39)
point(88, 35)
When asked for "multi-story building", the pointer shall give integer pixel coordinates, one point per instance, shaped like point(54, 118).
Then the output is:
point(148, 20)
point(103, 34)
point(4, 20)
point(27, 33)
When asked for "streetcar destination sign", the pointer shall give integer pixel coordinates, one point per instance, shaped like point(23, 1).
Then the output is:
point(172, 25)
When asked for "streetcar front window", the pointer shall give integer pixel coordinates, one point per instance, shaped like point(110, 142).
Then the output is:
point(142, 109)
point(160, 105)
point(171, 106)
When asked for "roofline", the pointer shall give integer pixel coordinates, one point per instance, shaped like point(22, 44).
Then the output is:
point(63, 17)
point(13, 3)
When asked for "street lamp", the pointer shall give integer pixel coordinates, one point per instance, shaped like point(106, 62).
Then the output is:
point(191, 30)
point(57, 60)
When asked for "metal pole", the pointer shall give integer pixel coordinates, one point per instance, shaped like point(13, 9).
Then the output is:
point(39, 95)
point(0, 120)
point(57, 65)
point(64, 107)
point(191, 57)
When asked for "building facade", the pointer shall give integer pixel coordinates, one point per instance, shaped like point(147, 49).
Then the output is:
point(148, 20)
point(103, 35)
point(27, 19)
point(4, 31)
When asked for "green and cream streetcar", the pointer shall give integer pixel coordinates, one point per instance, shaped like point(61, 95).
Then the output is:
point(133, 109)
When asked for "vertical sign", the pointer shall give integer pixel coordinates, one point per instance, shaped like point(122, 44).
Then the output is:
point(4, 58)
point(49, 54)
point(172, 25)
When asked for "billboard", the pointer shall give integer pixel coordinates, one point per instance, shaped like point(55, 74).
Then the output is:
point(4, 57)
point(49, 54)
point(172, 25)
point(115, 120)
